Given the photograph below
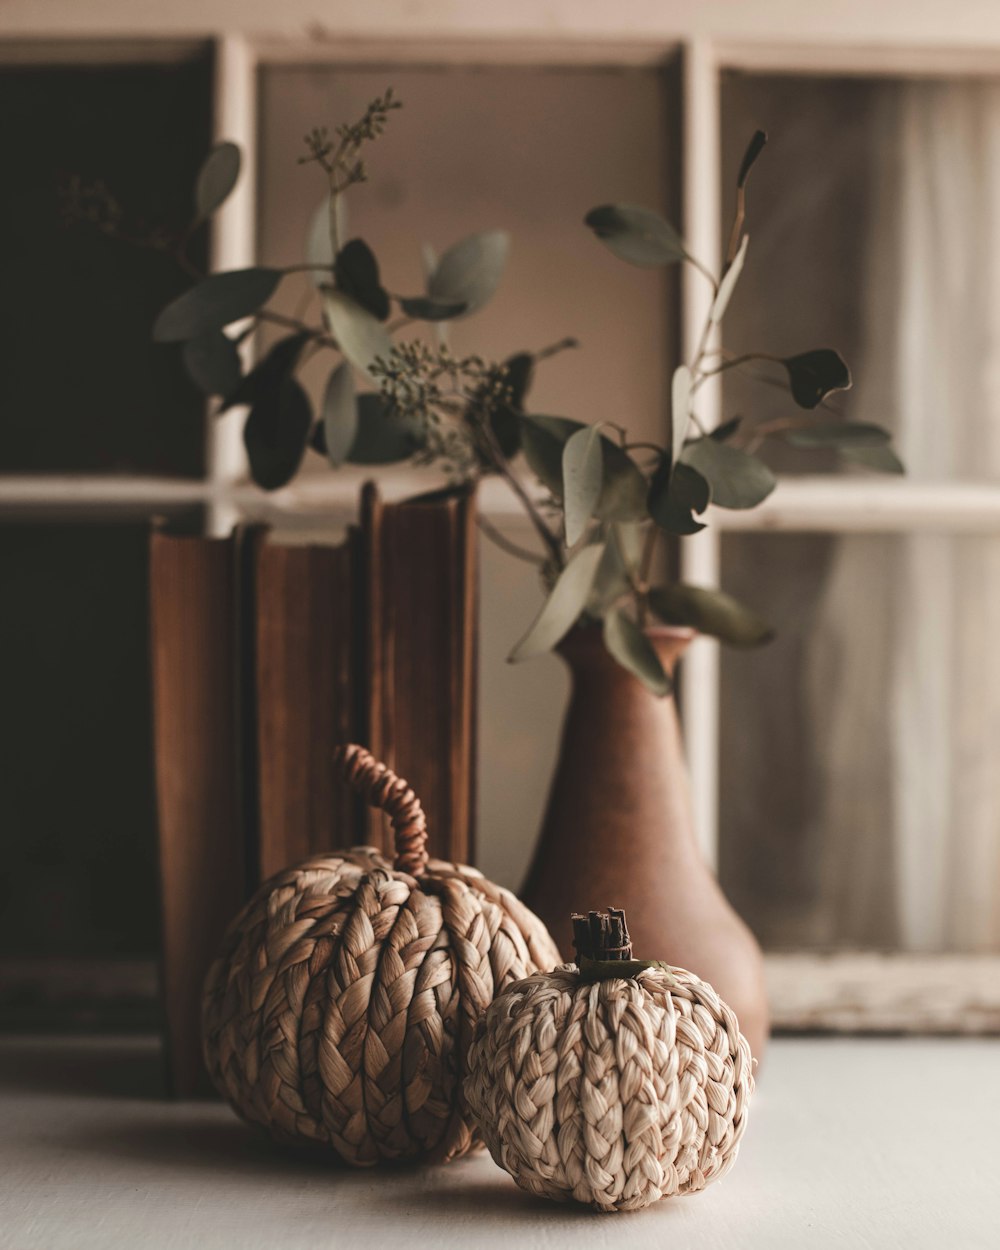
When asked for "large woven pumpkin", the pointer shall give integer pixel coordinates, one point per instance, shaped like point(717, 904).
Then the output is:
point(340, 1009)
point(615, 1083)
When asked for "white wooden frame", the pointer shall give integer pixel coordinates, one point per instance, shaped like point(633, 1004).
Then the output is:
point(962, 38)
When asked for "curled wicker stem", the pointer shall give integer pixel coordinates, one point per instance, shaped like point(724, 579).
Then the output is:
point(383, 789)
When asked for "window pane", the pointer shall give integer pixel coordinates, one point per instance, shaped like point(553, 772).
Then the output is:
point(860, 791)
point(76, 786)
point(526, 150)
point(872, 219)
point(82, 387)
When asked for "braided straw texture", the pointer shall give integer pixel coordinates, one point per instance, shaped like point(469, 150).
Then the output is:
point(615, 1093)
point(341, 1006)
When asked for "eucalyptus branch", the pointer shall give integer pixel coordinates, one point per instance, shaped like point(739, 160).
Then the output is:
point(498, 460)
point(704, 271)
point(503, 542)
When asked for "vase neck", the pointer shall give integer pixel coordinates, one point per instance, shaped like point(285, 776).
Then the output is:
point(584, 651)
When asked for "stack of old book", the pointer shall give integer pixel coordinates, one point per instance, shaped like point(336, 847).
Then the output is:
point(266, 655)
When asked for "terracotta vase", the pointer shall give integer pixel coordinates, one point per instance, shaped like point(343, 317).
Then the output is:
point(619, 832)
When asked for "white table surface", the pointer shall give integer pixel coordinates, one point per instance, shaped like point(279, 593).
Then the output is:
point(876, 1143)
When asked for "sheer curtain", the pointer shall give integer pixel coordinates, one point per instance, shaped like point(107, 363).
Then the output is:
point(919, 616)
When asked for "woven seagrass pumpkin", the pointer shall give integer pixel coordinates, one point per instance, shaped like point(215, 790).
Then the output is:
point(342, 1003)
point(615, 1083)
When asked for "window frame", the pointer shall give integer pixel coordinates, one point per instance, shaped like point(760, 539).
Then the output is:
point(952, 993)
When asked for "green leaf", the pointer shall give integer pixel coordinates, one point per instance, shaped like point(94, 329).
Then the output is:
point(680, 409)
point(622, 555)
point(623, 490)
point(356, 273)
point(728, 283)
point(276, 434)
point(726, 430)
point(318, 244)
point(841, 434)
point(754, 149)
point(216, 301)
point(470, 271)
point(361, 337)
point(562, 609)
point(423, 308)
point(213, 363)
point(505, 421)
point(268, 374)
point(340, 415)
point(218, 175)
point(627, 643)
point(673, 497)
point(813, 375)
point(710, 612)
point(582, 473)
point(735, 478)
point(383, 437)
point(881, 459)
point(637, 235)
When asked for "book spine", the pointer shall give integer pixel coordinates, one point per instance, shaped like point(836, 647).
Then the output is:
point(428, 601)
point(306, 674)
point(196, 742)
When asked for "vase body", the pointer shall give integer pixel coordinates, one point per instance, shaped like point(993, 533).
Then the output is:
point(618, 832)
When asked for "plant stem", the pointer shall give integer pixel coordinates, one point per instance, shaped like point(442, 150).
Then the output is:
point(504, 543)
point(499, 462)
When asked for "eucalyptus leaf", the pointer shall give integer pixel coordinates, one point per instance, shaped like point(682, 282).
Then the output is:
point(268, 374)
point(218, 175)
point(728, 283)
point(505, 420)
point(361, 337)
point(754, 149)
point(383, 436)
point(637, 235)
point(212, 361)
point(680, 409)
point(356, 273)
point(339, 415)
point(726, 430)
point(318, 244)
point(842, 434)
point(623, 490)
point(628, 645)
point(673, 497)
point(276, 434)
point(881, 459)
point(711, 612)
point(582, 472)
point(470, 271)
point(562, 609)
point(813, 375)
point(611, 580)
point(423, 308)
point(214, 302)
point(735, 478)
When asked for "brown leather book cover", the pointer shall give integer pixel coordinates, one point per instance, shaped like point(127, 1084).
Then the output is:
point(422, 694)
point(193, 603)
point(308, 672)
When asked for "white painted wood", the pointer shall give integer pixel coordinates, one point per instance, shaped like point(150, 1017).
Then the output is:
point(233, 246)
point(798, 504)
point(921, 23)
point(700, 555)
point(885, 1144)
point(872, 992)
point(870, 505)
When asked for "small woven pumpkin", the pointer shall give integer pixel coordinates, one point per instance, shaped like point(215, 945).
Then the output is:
point(615, 1083)
point(341, 1006)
